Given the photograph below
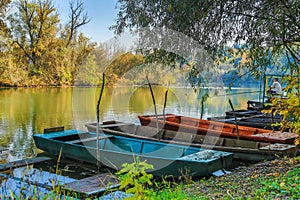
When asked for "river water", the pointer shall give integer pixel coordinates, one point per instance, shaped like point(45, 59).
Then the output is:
point(25, 111)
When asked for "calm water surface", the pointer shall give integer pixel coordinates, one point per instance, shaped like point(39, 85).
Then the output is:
point(24, 111)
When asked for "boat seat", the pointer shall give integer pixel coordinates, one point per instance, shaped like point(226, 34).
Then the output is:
point(89, 139)
point(114, 125)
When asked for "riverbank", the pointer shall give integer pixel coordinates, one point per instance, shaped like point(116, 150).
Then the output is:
point(276, 179)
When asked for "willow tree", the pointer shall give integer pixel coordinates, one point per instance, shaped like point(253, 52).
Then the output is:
point(258, 27)
point(264, 32)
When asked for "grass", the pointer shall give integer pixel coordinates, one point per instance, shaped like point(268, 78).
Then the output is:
point(277, 179)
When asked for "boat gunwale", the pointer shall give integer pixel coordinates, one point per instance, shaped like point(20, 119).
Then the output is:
point(262, 149)
point(257, 137)
point(184, 149)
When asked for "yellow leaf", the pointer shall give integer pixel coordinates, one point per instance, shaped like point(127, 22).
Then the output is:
point(170, 8)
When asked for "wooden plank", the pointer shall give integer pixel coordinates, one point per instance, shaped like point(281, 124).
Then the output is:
point(89, 139)
point(3, 149)
point(29, 182)
point(114, 125)
point(21, 163)
point(54, 129)
point(95, 184)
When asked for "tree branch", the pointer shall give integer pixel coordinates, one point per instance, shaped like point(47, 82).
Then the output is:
point(78, 19)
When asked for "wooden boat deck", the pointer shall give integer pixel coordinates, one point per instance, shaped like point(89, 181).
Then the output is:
point(21, 163)
point(94, 184)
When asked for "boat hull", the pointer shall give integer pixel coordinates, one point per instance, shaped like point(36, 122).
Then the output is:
point(242, 149)
point(114, 151)
point(217, 129)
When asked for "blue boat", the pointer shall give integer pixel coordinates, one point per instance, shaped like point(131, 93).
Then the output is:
point(113, 151)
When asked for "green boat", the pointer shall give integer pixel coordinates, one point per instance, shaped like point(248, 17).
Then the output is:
point(167, 159)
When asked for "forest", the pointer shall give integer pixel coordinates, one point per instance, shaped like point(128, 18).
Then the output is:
point(37, 49)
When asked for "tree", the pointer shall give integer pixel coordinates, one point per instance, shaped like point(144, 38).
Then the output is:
point(4, 5)
point(262, 29)
point(34, 29)
point(42, 51)
point(121, 65)
point(263, 32)
point(78, 18)
point(78, 46)
point(77, 55)
point(4, 61)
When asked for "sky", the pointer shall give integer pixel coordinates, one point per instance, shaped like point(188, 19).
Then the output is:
point(102, 14)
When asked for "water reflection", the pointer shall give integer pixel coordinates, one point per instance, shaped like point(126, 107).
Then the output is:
point(24, 111)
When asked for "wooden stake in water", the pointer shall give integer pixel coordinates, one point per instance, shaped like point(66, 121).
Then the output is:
point(153, 99)
point(164, 109)
point(202, 107)
point(165, 103)
point(98, 120)
point(236, 122)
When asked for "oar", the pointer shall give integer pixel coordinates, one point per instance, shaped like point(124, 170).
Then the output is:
point(153, 99)
point(98, 120)
point(236, 122)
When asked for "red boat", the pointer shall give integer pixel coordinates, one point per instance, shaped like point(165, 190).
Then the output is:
point(213, 128)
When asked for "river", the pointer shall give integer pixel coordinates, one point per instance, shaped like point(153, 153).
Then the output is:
point(25, 111)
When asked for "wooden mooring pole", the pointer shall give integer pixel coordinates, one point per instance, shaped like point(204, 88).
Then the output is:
point(98, 120)
point(154, 103)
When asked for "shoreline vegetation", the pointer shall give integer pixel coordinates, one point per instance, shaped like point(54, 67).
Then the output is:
point(276, 179)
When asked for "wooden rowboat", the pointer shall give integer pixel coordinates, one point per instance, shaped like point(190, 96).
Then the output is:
point(251, 118)
point(242, 149)
point(167, 159)
point(262, 122)
point(213, 128)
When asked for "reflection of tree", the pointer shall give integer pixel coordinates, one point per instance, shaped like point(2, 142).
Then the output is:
point(141, 100)
point(25, 111)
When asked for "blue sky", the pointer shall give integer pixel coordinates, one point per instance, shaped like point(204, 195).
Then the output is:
point(102, 13)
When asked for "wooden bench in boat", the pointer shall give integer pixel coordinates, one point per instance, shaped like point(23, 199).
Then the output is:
point(93, 126)
point(21, 163)
point(114, 125)
point(54, 129)
point(89, 139)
